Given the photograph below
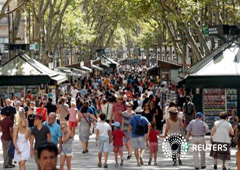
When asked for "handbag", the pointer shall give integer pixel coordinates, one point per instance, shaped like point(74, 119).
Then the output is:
point(86, 120)
point(66, 117)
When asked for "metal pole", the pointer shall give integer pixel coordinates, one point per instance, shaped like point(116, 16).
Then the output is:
point(9, 51)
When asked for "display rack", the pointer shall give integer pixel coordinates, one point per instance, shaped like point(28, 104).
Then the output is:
point(231, 99)
point(214, 102)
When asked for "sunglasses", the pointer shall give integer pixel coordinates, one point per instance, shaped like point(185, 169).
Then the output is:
point(62, 127)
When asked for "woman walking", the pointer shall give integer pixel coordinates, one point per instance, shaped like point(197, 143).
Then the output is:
point(84, 128)
point(149, 114)
point(67, 152)
point(21, 136)
point(63, 110)
point(126, 116)
point(73, 117)
point(174, 125)
point(220, 138)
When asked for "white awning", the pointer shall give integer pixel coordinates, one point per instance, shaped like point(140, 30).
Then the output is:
point(105, 64)
point(112, 61)
point(96, 67)
point(60, 78)
point(87, 68)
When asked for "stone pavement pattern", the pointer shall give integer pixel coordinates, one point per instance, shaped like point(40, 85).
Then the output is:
point(89, 160)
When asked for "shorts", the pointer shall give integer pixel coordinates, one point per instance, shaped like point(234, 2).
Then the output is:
point(67, 154)
point(153, 147)
point(138, 142)
point(103, 144)
point(72, 124)
point(125, 135)
point(118, 149)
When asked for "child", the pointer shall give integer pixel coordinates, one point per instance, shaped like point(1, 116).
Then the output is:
point(67, 152)
point(118, 143)
point(73, 117)
point(103, 139)
point(153, 140)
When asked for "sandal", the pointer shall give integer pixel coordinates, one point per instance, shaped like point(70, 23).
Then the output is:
point(99, 165)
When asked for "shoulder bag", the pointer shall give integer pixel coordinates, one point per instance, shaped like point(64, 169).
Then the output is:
point(66, 117)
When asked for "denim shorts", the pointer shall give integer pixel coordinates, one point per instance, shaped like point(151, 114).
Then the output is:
point(103, 144)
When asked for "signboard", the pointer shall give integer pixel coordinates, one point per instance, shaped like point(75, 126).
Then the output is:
point(218, 30)
point(33, 47)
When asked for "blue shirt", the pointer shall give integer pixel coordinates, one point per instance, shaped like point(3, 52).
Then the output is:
point(133, 122)
point(55, 131)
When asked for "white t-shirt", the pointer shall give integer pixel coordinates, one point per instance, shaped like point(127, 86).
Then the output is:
point(103, 128)
point(74, 93)
point(223, 129)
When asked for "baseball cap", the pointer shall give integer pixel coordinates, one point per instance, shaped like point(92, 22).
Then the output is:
point(199, 114)
point(40, 117)
point(117, 124)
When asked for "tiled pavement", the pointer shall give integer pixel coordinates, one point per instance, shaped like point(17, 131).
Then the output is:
point(89, 160)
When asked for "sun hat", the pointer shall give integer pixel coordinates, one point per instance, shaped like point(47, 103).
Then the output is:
point(138, 109)
point(173, 110)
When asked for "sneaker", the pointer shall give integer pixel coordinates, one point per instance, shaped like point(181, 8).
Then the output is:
point(121, 164)
point(116, 165)
point(203, 167)
point(129, 157)
point(150, 161)
point(141, 161)
point(215, 167)
point(105, 166)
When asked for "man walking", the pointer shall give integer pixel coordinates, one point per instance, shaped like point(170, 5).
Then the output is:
point(137, 125)
point(198, 128)
point(40, 133)
point(6, 127)
point(189, 110)
point(55, 130)
point(50, 106)
point(9, 110)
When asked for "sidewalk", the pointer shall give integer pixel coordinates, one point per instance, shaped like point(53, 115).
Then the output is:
point(89, 160)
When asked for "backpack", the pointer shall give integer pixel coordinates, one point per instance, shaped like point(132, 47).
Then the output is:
point(189, 108)
point(140, 129)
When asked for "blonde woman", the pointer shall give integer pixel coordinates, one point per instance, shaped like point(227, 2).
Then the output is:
point(21, 136)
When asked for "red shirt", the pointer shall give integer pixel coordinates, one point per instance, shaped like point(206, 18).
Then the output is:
point(6, 124)
point(118, 137)
point(43, 111)
point(117, 111)
point(153, 135)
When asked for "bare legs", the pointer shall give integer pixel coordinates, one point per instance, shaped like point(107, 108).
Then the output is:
point(100, 158)
point(62, 161)
point(22, 165)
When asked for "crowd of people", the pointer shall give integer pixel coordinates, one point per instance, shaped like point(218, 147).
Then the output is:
point(129, 110)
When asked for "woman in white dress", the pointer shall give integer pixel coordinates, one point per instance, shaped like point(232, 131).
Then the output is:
point(21, 136)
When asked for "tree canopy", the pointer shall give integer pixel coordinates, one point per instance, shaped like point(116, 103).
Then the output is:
point(91, 24)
